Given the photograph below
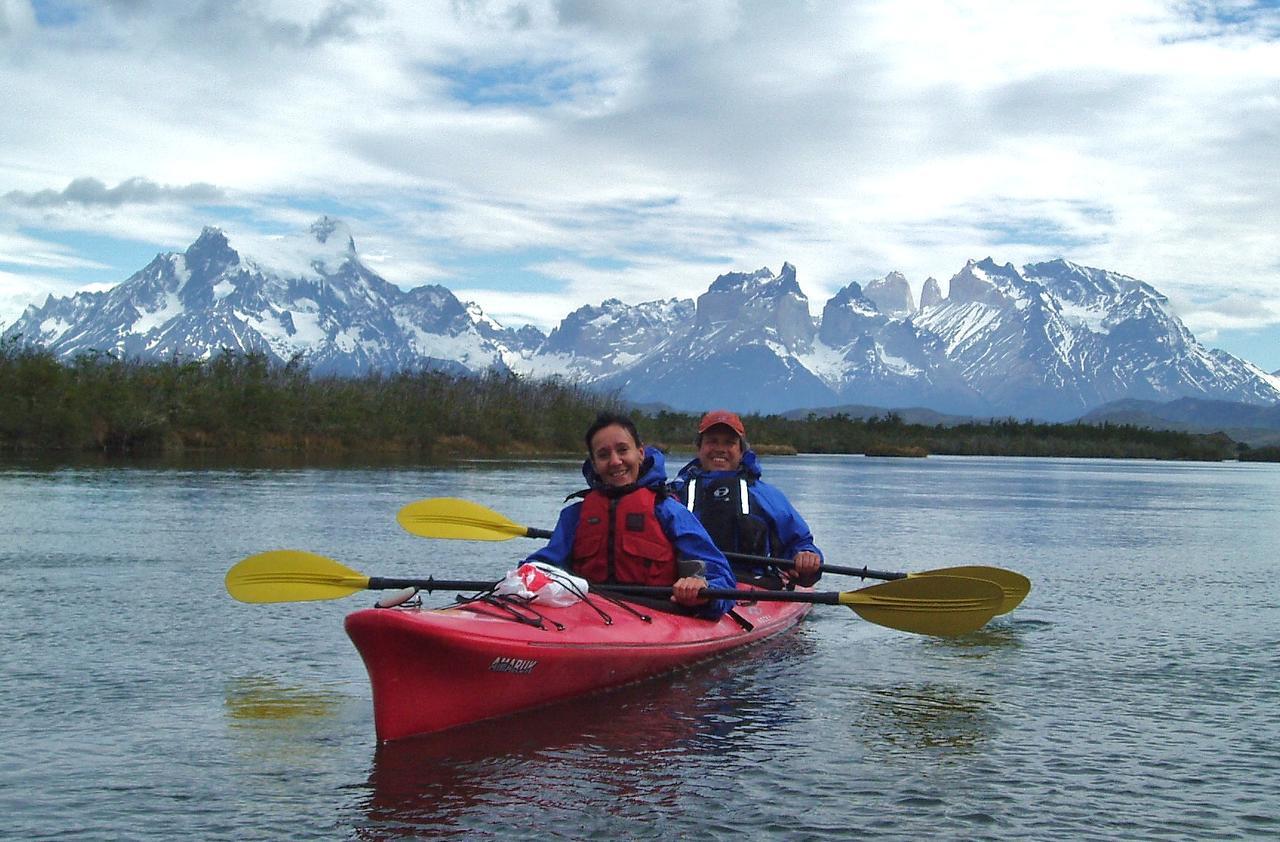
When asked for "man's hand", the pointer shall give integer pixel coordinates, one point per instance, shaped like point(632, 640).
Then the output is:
point(685, 591)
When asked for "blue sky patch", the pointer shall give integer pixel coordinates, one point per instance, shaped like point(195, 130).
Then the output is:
point(509, 271)
point(519, 83)
point(54, 13)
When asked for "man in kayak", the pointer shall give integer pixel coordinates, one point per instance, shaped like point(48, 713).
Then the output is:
point(627, 530)
point(743, 513)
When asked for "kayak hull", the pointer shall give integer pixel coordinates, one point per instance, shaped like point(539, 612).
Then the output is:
point(433, 669)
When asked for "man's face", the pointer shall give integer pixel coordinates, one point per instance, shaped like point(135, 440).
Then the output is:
point(721, 449)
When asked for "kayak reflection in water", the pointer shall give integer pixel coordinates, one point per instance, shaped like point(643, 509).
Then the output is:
point(627, 530)
point(741, 512)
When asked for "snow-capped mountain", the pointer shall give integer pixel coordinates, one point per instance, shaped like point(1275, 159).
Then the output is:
point(1056, 339)
point(1050, 341)
point(309, 295)
point(748, 335)
point(595, 342)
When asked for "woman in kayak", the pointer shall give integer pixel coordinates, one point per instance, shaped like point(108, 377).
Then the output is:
point(628, 531)
point(741, 512)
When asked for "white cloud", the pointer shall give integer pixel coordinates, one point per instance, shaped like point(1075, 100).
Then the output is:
point(676, 140)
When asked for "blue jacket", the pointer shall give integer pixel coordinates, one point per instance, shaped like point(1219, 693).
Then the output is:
point(767, 502)
point(685, 532)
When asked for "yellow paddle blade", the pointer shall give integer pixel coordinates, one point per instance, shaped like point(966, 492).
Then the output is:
point(292, 576)
point(937, 605)
point(452, 517)
point(1015, 585)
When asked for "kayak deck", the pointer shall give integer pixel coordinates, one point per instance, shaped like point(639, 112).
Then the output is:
point(432, 669)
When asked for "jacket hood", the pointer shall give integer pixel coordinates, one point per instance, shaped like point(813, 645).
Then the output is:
point(748, 468)
point(653, 472)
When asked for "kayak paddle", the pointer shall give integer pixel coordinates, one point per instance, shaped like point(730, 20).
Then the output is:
point(453, 517)
point(1014, 585)
point(936, 605)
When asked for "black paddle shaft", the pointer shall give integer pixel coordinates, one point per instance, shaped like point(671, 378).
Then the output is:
point(862, 572)
point(782, 563)
point(381, 583)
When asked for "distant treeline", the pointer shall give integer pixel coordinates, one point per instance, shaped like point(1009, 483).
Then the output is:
point(243, 403)
point(890, 435)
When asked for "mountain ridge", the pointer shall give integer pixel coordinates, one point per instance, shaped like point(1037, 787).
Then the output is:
point(1052, 340)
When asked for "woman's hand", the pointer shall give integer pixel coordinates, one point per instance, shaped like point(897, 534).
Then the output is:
point(685, 591)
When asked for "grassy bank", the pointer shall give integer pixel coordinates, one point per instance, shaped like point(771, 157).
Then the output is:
point(241, 403)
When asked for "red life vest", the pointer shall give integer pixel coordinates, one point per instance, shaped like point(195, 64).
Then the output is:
point(620, 540)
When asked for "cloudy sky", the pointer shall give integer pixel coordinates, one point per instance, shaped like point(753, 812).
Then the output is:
point(535, 155)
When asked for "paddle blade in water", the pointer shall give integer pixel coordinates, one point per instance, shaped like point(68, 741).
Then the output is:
point(291, 576)
point(452, 517)
point(938, 605)
point(1015, 586)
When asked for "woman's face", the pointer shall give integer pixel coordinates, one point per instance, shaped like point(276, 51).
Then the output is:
point(616, 456)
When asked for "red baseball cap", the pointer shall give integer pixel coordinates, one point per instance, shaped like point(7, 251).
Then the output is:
point(722, 416)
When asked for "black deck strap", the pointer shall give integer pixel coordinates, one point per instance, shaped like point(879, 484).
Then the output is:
point(604, 615)
point(740, 620)
point(527, 605)
point(507, 605)
point(664, 606)
point(643, 617)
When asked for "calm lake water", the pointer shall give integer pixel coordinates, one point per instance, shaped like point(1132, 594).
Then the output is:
point(1135, 694)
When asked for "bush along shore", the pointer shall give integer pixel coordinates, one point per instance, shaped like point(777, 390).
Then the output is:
point(241, 403)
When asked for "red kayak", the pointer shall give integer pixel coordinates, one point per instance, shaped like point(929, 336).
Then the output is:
point(433, 669)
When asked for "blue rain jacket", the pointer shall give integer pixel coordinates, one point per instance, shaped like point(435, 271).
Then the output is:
point(767, 503)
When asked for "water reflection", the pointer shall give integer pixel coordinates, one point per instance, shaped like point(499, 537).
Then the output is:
point(999, 636)
point(624, 749)
point(903, 718)
point(257, 699)
point(610, 748)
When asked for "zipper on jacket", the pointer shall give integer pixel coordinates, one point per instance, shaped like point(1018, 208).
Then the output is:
point(609, 552)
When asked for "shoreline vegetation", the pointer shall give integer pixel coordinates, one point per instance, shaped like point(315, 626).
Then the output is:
point(241, 404)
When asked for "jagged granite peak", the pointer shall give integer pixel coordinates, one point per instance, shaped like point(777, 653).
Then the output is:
point(596, 330)
point(594, 342)
point(848, 314)
point(892, 295)
point(864, 355)
point(930, 293)
point(1083, 285)
point(210, 254)
point(326, 227)
point(516, 343)
point(773, 307)
point(983, 281)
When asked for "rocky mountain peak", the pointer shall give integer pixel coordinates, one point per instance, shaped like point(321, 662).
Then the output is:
point(210, 255)
point(930, 293)
point(326, 228)
point(985, 282)
point(848, 314)
point(756, 302)
point(892, 295)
